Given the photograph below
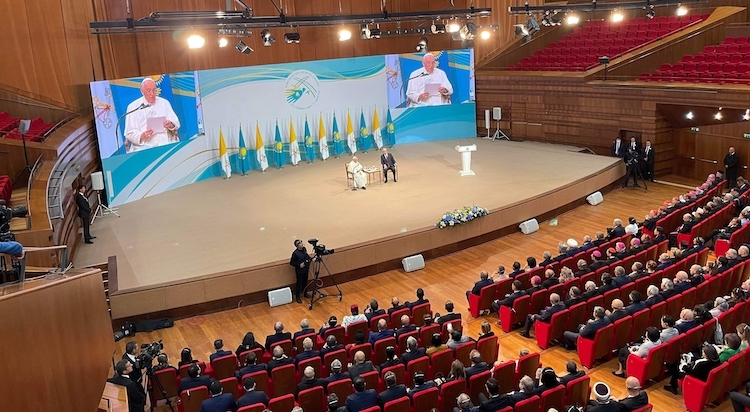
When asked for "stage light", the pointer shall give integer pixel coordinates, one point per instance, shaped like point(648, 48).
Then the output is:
point(572, 20)
point(195, 41)
point(650, 14)
point(485, 34)
point(364, 32)
point(291, 38)
point(344, 35)
point(422, 45)
point(222, 42)
point(453, 27)
point(243, 48)
point(718, 114)
point(689, 115)
point(267, 38)
point(617, 17)
point(437, 28)
point(746, 116)
point(375, 32)
point(469, 31)
point(682, 11)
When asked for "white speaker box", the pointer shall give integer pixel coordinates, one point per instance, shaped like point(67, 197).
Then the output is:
point(497, 113)
point(595, 198)
point(23, 126)
point(529, 226)
point(280, 297)
point(97, 181)
point(487, 119)
point(413, 263)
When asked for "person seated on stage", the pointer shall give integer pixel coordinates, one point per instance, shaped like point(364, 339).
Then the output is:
point(572, 373)
point(220, 352)
point(436, 345)
point(650, 340)
point(362, 398)
point(251, 396)
point(545, 315)
point(373, 310)
point(305, 329)
point(13, 249)
point(382, 333)
point(279, 359)
point(588, 331)
point(420, 299)
point(406, 326)
point(392, 390)
point(448, 316)
point(336, 374)
point(250, 365)
point(278, 336)
point(307, 352)
point(194, 379)
point(388, 163)
point(248, 343)
point(484, 280)
point(360, 365)
point(163, 363)
point(357, 171)
point(420, 384)
point(391, 359)
point(354, 317)
point(457, 338)
point(412, 351)
point(219, 401)
point(395, 305)
point(135, 393)
point(477, 365)
point(332, 323)
point(309, 380)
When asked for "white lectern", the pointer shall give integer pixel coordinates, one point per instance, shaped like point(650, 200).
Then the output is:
point(466, 159)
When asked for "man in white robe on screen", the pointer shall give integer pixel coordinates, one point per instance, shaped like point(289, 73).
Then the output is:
point(358, 173)
point(429, 86)
point(137, 131)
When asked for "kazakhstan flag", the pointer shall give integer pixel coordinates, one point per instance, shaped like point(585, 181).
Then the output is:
point(338, 147)
point(309, 148)
point(278, 148)
point(364, 134)
point(243, 154)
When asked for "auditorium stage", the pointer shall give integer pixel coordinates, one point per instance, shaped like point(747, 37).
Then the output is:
point(224, 240)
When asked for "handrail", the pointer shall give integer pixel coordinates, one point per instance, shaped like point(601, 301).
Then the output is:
point(64, 259)
point(58, 125)
point(29, 183)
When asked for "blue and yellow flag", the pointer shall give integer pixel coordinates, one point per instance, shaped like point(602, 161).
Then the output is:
point(338, 147)
point(390, 131)
point(278, 148)
point(364, 134)
point(243, 154)
point(309, 148)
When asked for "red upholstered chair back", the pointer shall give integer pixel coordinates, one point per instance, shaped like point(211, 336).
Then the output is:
point(505, 374)
point(396, 317)
point(419, 364)
point(342, 388)
point(192, 399)
point(312, 400)
point(380, 346)
point(352, 329)
point(399, 405)
point(398, 370)
point(282, 403)
point(553, 398)
point(402, 340)
point(418, 312)
point(283, 379)
point(476, 385)
point(463, 350)
point(577, 391)
point(316, 364)
point(339, 332)
point(425, 401)
point(330, 356)
point(224, 366)
point(622, 332)
point(168, 379)
point(527, 366)
point(425, 334)
point(256, 407)
point(441, 363)
point(449, 391)
point(374, 321)
point(261, 382)
point(527, 405)
point(371, 380)
point(299, 339)
point(366, 348)
point(489, 349)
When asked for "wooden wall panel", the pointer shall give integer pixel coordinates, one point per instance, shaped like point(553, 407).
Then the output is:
point(709, 145)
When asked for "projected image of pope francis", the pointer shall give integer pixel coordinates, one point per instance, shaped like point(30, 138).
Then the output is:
point(152, 122)
point(429, 86)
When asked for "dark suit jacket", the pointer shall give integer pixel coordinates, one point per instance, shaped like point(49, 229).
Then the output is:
point(570, 302)
point(336, 377)
point(309, 384)
point(589, 330)
point(393, 309)
point(508, 301)
point(219, 403)
point(666, 294)
point(387, 160)
point(546, 314)
point(360, 401)
point(416, 302)
point(250, 369)
point(617, 231)
point(682, 286)
point(277, 337)
point(731, 161)
point(136, 375)
point(376, 336)
point(495, 404)
point(306, 355)
point(653, 300)
point(571, 376)
point(406, 329)
point(632, 403)
point(324, 351)
point(448, 317)
point(475, 369)
point(219, 354)
point(479, 285)
point(635, 307)
point(356, 370)
point(620, 281)
point(190, 383)
point(392, 393)
point(423, 387)
point(273, 363)
point(548, 283)
point(84, 210)
point(648, 155)
point(700, 370)
point(685, 326)
point(303, 332)
point(136, 394)
point(616, 315)
point(407, 357)
point(253, 397)
point(374, 314)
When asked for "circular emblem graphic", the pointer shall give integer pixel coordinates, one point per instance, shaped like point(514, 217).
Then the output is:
point(302, 89)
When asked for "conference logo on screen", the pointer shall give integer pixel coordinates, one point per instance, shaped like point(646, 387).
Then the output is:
point(302, 89)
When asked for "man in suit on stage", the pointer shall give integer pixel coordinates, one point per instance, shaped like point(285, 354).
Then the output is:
point(648, 161)
point(136, 394)
point(731, 160)
point(389, 163)
point(84, 212)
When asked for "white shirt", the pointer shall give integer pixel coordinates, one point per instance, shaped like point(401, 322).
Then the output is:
point(417, 86)
point(135, 123)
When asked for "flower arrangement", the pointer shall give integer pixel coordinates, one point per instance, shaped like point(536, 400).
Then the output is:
point(460, 216)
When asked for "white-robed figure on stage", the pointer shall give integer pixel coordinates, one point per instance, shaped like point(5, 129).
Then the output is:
point(429, 86)
point(358, 173)
point(137, 130)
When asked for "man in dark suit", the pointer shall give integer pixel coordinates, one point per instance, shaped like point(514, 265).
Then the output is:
point(278, 336)
point(545, 315)
point(219, 401)
point(617, 311)
point(304, 329)
point(382, 333)
point(392, 391)
point(412, 351)
point(373, 309)
point(331, 345)
point(301, 262)
point(84, 212)
point(362, 398)
point(636, 398)
point(131, 351)
point(420, 384)
point(618, 149)
point(406, 326)
point(389, 163)
point(136, 394)
point(336, 374)
point(250, 366)
point(395, 305)
point(360, 365)
point(496, 401)
point(731, 160)
point(449, 315)
point(649, 155)
point(194, 379)
point(309, 380)
point(420, 299)
point(477, 365)
point(574, 297)
point(517, 292)
point(251, 396)
point(588, 330)
point(307, 352)
point(278, 359)
point(617, 230)
point(218, 345)
point(573, 373)
point(484, 280)
point(652, 296)
point(636, 303)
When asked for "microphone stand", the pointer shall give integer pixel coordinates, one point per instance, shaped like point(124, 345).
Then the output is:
point(117, 129)
point(401, 92)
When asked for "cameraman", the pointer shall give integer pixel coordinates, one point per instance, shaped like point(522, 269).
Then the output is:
point(131, 349)
point(136, 394)
point(301, 262)
point(631, 161)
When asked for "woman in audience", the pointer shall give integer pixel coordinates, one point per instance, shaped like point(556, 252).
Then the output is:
point(486, 331)
point(720, 306)
point(163, 363)
point(436, 345)
point(731, 346)
point(186, 358)
point(651, 266)
point(566, 274)
point(457, 371)
point(698, 369)
point(530, 263)
point(736, 297)
point(248, 343)
point(668, 331)
point(743, 331)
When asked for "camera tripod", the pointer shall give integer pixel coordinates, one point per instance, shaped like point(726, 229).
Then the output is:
point(153, 378)
point(634, 170)
point(317, 283)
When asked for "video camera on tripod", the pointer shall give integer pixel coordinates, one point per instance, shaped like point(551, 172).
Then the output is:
point(6, 214)
point(635, 157)
point(149, 352)
point(320, 249)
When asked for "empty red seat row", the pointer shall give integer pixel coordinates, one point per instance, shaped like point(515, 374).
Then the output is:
point(7, 122)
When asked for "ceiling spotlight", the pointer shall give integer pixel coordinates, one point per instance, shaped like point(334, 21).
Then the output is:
point(195, 41)
point(375, 32)
point(291, 38)
point(689, 115)
point(682, 11)
point(344, 35)
point(222, 42)
point(437, 28)
point(746, 116)
point(364, 32)
point(267, 38)
point(469, 31)
point(243, 48)
point(520, 30)
point(485, 34)
point(572, 19)
point(617, 17)
point(422, 45)
point(453, 27)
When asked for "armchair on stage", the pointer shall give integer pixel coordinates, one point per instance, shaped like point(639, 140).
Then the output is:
point(466, 159)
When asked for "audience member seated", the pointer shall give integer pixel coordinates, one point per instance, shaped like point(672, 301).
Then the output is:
point(136, 394)
point(517, 270)
point(637, 398)
point(392, 390)
point(681, 282)
point(589, 290)
point(382, 333)
point(305, 329)
point(463, 404)
point(307, 352)
point(436, 345)
point(730, 348)
point(331, 345)
point(248, 343)
point(412, 351)
point(250, 366)
point(574, 296)
point(545, 315)
point(650, 340)
point(333, 404)
point(362, 398)
point(251, 396)
point(530, 264)
point(163, 363)
point(391, 359)
point(546, 259)
point(406, 326)
point(194, 379)
point(420, 384)
point(373, 309)
point(652, 296)
point(740, 402)
point(395, 305)
point(278, 336)
point(218, 346)
point(486, 331)
point(484, 280)
point(698, 369)
point(516, 292)
point(186, 358)
point(588, 331)
point(420, 299)
point(335, 373)
point(572, 373)
point(603, 401)
point(360, 366)
point(546, 380)
point(309, 380)
point(219, 401)
point(448, 316)
point(617, 312)
point(583, 268)
point(720, 306)
point(477, 364)
point(636, 303)
point(702, 315)
point(354, 317)
point(279, 358)
point(526, 389)
point(457, 338)
point(536, 285)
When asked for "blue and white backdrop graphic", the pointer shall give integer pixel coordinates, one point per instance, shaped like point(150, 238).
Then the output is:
point(229, 99)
